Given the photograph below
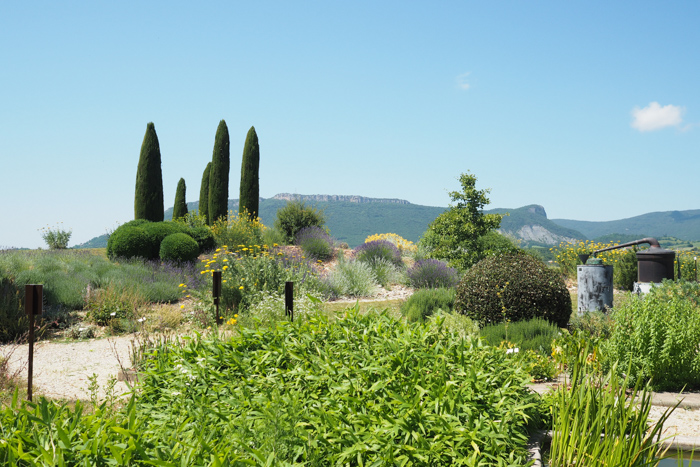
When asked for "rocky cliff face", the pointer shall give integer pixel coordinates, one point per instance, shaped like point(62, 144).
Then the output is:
point(346, 198)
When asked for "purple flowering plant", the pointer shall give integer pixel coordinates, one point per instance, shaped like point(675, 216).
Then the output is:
point(432, 273)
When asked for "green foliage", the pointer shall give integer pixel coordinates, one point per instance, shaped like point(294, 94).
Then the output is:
point(14, 322)
point(386, 273)
point(656, 339)
point(111, 303)
point(158, 231)
point(204, 237)
point(250, 180)
point(597, 422)
point(534, 334)
point(513, 287)
point(129, 242)
point(378, 249)
point(454, 235)
point(593, 323)
point(180, 206)
point(204, 195)
point(493, 243)
point(425, 302)
point(362, 390)
point(219, 175)
point(238, 230)
point(296, 215)
point(148, 201)
point(56, 238)
point(179, 248)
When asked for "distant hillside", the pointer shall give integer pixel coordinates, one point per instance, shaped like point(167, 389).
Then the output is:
point(680, 224)
point(531, 227)
point(352, 218)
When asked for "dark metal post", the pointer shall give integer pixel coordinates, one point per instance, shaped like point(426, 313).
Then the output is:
point(696, 269)
point(217, 293)
point(289, 300)
point(33, 299)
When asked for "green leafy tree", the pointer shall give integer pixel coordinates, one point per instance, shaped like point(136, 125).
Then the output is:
point(180, 206)
point(204, 195)
point(250, 181)
point(455, 235)
point(218, 177)
point(296, 215)
point(148, 202)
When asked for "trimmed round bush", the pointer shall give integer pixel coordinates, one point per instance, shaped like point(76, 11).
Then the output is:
point(513, 286)
point(179, 247)
point(376, 249)
point(204, 238)
point(431, 273)
point(160, 230)
point(129, 242)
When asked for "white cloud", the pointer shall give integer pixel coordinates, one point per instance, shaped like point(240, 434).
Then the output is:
point(462, 81)
point(655, 117)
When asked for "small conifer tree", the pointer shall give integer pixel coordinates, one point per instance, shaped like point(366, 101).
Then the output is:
point(180, 206)
point(204, 194)
point(148, 201)
point(218, 178)
point(250, 180)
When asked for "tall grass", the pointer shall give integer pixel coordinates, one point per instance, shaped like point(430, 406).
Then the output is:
point(534, 334)
point(425, 302)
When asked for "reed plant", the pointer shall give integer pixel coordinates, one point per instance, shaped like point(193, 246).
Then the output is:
point(598, 423)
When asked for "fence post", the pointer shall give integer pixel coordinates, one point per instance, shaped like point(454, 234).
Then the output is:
point(33, 306)
point(289, 300)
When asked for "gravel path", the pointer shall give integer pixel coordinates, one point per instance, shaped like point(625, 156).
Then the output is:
point(62, 370)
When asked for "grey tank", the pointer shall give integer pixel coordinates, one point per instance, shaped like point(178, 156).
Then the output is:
point(595, 287)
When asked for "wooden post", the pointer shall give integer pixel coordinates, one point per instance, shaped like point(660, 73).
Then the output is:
point(217, 293)
point(289, 300)
point(33, 300)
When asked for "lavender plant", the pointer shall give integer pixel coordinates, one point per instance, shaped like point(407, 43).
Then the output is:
point(315, 242)
point(376, 249)
point(432, 273)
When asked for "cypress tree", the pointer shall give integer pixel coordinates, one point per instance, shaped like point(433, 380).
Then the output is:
point(218, 178)
point(204, 195)
point(250, 181)
point(180, 206)
point(148, 202)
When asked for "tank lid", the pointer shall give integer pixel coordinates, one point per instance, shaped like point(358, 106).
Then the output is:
point(655, 250)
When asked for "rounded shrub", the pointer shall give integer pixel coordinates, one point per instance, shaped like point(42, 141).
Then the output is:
point(514, 287)
point(179, 248)
point(296, 215)
point(378, 249)
point(431, 273)
point(160, 230)
point(129, 242)
point(204, 238)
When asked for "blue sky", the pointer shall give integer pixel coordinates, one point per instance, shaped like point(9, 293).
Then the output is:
point(591, 109)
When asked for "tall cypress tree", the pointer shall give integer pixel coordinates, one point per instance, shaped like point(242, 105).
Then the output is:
point(180, 206)
point(148, 202)
point(204, 195)
point(250, 181)
point(218, 178)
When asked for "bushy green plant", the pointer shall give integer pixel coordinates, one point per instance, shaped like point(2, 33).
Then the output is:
point(204, 237)
point(249, 198)
point(56, 238)
point(376, 391)
point(180, 205)
point(148, 200)
point(594, 323)
point(294, 216)
point(315, 242)
point(129, 242)
point(656, 339)
point(14, 322)
point(238, 230)
point(513, 287)
point(111, 303)
point(219, 175)
point(179, 248)
point(158, 231)
point(533, 334)
point(425, 302)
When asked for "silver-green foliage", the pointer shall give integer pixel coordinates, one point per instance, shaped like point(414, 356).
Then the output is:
point(352, 278)
point(657, 337)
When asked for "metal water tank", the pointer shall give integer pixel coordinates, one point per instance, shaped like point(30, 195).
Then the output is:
point(655, 264)
point(595, 287)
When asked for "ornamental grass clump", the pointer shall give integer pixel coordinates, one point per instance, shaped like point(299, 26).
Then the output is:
point(423, 303)
point(351, 278)
point(315, 242)
point(432, 273)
